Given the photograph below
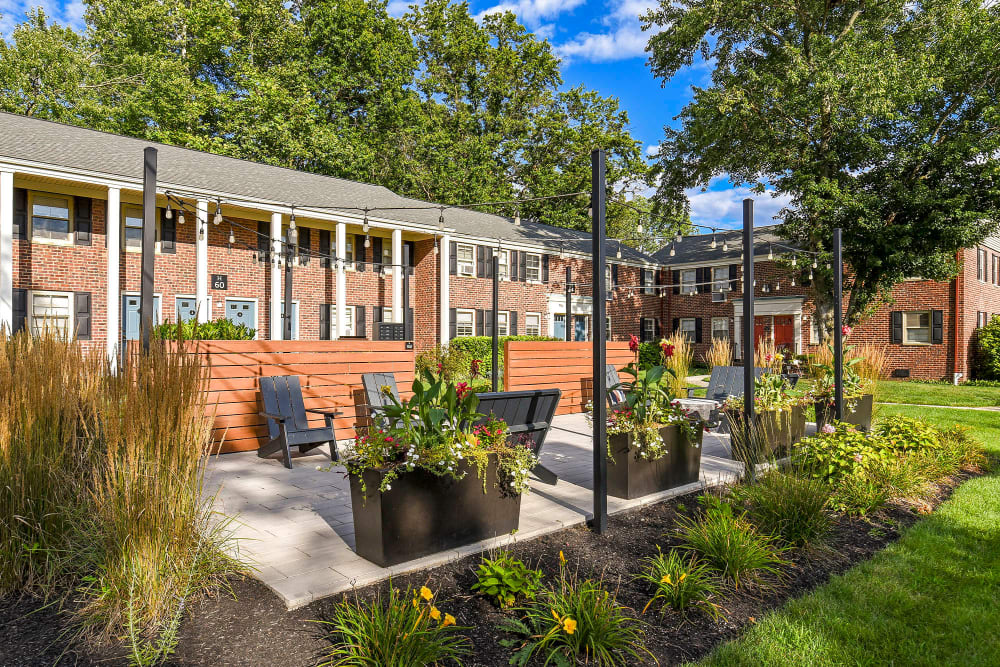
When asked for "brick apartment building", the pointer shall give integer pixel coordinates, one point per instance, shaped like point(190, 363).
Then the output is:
point(929, 328)
point(70, 236)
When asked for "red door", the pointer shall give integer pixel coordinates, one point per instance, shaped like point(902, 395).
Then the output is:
point(761, 330)
point(784, 332)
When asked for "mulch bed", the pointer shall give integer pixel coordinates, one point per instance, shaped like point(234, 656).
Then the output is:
point(252, 626)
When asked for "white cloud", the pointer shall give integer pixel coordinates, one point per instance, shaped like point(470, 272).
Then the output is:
point(13, 12)
point(623, 38)
point(724, 208)
point(533, 12)
point(652, 150)
point(397, 8)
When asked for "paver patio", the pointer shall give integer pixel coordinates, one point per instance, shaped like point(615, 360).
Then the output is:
point(296, 527)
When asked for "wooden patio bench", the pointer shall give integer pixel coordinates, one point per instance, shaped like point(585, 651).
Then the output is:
point(525, 412)
point(287, 423)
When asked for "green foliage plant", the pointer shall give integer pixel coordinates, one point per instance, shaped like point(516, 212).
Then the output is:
point(480, 348)
point(839, 453)
point(988, 351)
point(793, 508)
point(394, 630)
point(506, 580)
point(680, 582)
point(449, 361)
point(220, 329)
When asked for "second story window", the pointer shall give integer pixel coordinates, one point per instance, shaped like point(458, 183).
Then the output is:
point(50, 218)
point(689, 281)
point(133, 228)
point(466, 259)
point(533, 267)
point(649, 281)
point(504, 263)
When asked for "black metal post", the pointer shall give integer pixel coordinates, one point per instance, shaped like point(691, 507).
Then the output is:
point(286, 321)
point(748, 296)
point(146, 285)
point(597, 202)
point(494, 374)
point(838, 326)
point(569, 303)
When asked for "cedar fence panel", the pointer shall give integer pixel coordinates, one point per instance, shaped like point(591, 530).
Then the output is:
point(568, 367)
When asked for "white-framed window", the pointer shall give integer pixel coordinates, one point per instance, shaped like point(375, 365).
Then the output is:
point(917, 327)
point(981, 267)
point(649, 280)
point(350, 321)
point(982, 319)
point(132, 227)
point(687, 327)
point(648, 328)
point(607, 328)
point(465, 323)
point(51, 218)
point(533, 267)
point(720, 279)
point(533, 324)
point(503, 323)
point(348, 250)
point(689, 281)
point(466, 259)
point(503, 262)
point(720, 327)
point(51, 312)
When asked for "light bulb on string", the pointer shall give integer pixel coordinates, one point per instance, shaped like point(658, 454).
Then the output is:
point(639, 226)
point(436, 251)
point(828, 265)
point(793, 282)
point(291, 221)
point(441, 220)
point(672, 251)
point(777, 286)
point(368, 242)
point(770, 252)
point(810, 274)
point(795, 261)
point(517, 217)
point(232, 240)
point(169, 213)
point(364, 223)
point(677, 237)
point(725, 245)
point(714, 244)
point(562, 251)
point(814, 264)
point(218, 213)
point(180, 216)
point(618, 255)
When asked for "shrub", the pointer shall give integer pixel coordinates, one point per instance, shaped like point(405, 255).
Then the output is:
point(451, 362)
point(398, 630)
point(220, 329)
point(506, 580)
point(959, 450)
point(832, 456)
point(729, 543)
point(901, 435)
point(792, 508)
point(649, 354)
point(481, 348)
point(575, 622)
point(680, 583)
point(860, 493)
point(988, 350)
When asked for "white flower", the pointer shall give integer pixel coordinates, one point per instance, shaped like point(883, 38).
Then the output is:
point(388, 486)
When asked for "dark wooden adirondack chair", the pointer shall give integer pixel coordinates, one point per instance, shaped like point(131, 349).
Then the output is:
point(529, 412)
point(616, 397)
point(724, 382)
point(375, 394)
point(287, 424)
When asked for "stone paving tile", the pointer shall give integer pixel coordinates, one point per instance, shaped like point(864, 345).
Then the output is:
point(296, 526)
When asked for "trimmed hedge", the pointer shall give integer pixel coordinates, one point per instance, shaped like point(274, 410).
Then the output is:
point(220, 329)
point(649, 354)
point(988, 362)
point(481, 347)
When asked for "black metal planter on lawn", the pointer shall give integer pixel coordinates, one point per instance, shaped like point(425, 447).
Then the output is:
point(632, 477)
point(422, 513)
point(857, 411)
point(774, 434)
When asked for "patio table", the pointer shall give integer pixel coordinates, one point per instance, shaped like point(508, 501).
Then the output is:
point(702, 407)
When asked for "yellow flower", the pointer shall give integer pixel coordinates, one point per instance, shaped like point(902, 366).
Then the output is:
point(416, 601)
point(683, 577)
point(425, 593)
point(435, 614)
point(448, 620)
point(569, 625)
point(562, 559)
point(666, 579)
point(556, 616)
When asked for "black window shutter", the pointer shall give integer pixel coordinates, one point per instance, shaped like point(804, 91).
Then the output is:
point(614, 276)
point(675, 278)
point(702, 281)
point(81, 315)
point(489, 262)
point(453, 267)
point(480, 317)
point(697, 329)
point(377, 317)
point(656, 327)
point(168, 234)
point(452, 323)
point(20, 213)
point(512, 323)
point(324, 247)
point(642, 277)
point(937, 326)
point(360, 252)
point(264, 241)
point(305, 245)
point(487, 322)
point(734, 275)
point(20, 310)
point(362, 326)
point(896, 328)
point(408, 323)
point(524, 266)
point(377, 253)
point(545, 268)
point(513, 266)
point(324, 320)
point(410, 255)
point(480, 261)
point(82, 220)
point(677, 324)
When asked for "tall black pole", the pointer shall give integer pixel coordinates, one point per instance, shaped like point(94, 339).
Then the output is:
point(597, 203)
point(748, 295)
point(286, 324)
point(838, 326)
point(496, 314)
point(148, 246)
point(569, 303)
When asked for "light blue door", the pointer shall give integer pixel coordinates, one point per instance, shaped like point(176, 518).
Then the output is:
point(242, 312)
point(295, 319)
point(130, 315)
point(187, 309)
point(559, 327)
point(580, 327)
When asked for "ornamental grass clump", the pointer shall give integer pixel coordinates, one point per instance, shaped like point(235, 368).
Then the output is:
point(719, 354)
point(793, 508)
point(678, 356)
point(394, 630)
point(575, 622)
point(680, 582)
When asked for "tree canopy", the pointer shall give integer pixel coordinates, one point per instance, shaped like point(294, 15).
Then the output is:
point(435, 105)
point(881, 118)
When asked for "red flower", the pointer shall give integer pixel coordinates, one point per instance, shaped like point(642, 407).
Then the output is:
point(846, 330)
point(633, 343)
point(667, 349)
point(462, 389)
point(475, 367)
point(440, 367)
point(769, 358)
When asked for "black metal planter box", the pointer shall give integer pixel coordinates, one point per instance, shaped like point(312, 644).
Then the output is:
point(423, 513)
point(857, 411)
point(631, 477)
point(775, 433)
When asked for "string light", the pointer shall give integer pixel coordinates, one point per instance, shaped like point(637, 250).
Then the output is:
point(814, 265)
point(364, 224)
point(232, 239)
point(517, 217)
point(562, 251)
point(677, 237)
point(672, 251)
point(725, 245)
point(714, 243)
point(770, 252)
point(368, 243)
point(828, 265)
point(180, 216)
point(793, 281)
point(441, 220)
point(291, 221)
point(810, 274)
point(618, 255)
point(795, 261)
point(169, 213)
point(436, 251)
point(218, 213)
point(638, 228)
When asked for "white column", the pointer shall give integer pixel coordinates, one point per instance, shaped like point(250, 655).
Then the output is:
point(6, 249)
point(444, 259)
point(276, 249)
point(341, 286)
point(798, 333)
point(201, 262)
point(397, 276)
point(113, 236)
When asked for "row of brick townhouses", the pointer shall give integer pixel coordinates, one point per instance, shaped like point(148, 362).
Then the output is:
point(928, 327)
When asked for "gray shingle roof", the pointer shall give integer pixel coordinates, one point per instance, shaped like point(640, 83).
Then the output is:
point(698, 248)
point(114, 155)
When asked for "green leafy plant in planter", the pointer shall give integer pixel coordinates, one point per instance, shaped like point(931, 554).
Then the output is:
point(220, 329)
point(506, 580)
point(680, 582)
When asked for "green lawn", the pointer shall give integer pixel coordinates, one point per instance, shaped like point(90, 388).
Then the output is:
point(928, 599)
point(921, 393)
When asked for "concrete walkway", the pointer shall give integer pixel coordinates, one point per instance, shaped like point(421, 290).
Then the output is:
point(296, 527)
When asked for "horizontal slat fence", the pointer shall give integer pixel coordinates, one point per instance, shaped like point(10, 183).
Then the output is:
point(568, 367)
point(330, 373)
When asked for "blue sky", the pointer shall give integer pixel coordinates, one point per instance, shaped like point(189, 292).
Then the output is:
point(602, 47)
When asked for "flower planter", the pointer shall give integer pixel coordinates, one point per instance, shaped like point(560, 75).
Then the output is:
point(857, 411)
point(423, 513)
point(631, 477)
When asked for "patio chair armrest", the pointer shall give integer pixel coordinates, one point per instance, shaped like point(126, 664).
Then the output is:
point(329, 413)
point(690, 391)
point(271, 415)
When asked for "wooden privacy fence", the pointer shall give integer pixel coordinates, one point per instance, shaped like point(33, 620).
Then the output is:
point(330, 373)
point(558, 365)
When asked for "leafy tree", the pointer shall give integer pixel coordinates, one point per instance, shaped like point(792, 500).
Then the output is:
point(879, 118)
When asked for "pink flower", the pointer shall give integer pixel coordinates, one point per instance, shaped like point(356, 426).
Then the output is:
point(828, 428)
point(633, 343)
point(857, 458)
point(846, 330)
point(475, 367)
point(462, 389)
point(769, 357)
point(440, 367)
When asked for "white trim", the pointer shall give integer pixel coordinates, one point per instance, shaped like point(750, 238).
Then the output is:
point(275, 303)
point(397, 275)
point(29, 231)
point(532, 281)
point(6, 250)
point(465, 311)
point(201, 261)
point(296, 328)
point(30, 309)
point(539, 316)
point(114, 297)
point(341, 283)
point(444, 282)
point(256, 311)
point(471, 263)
